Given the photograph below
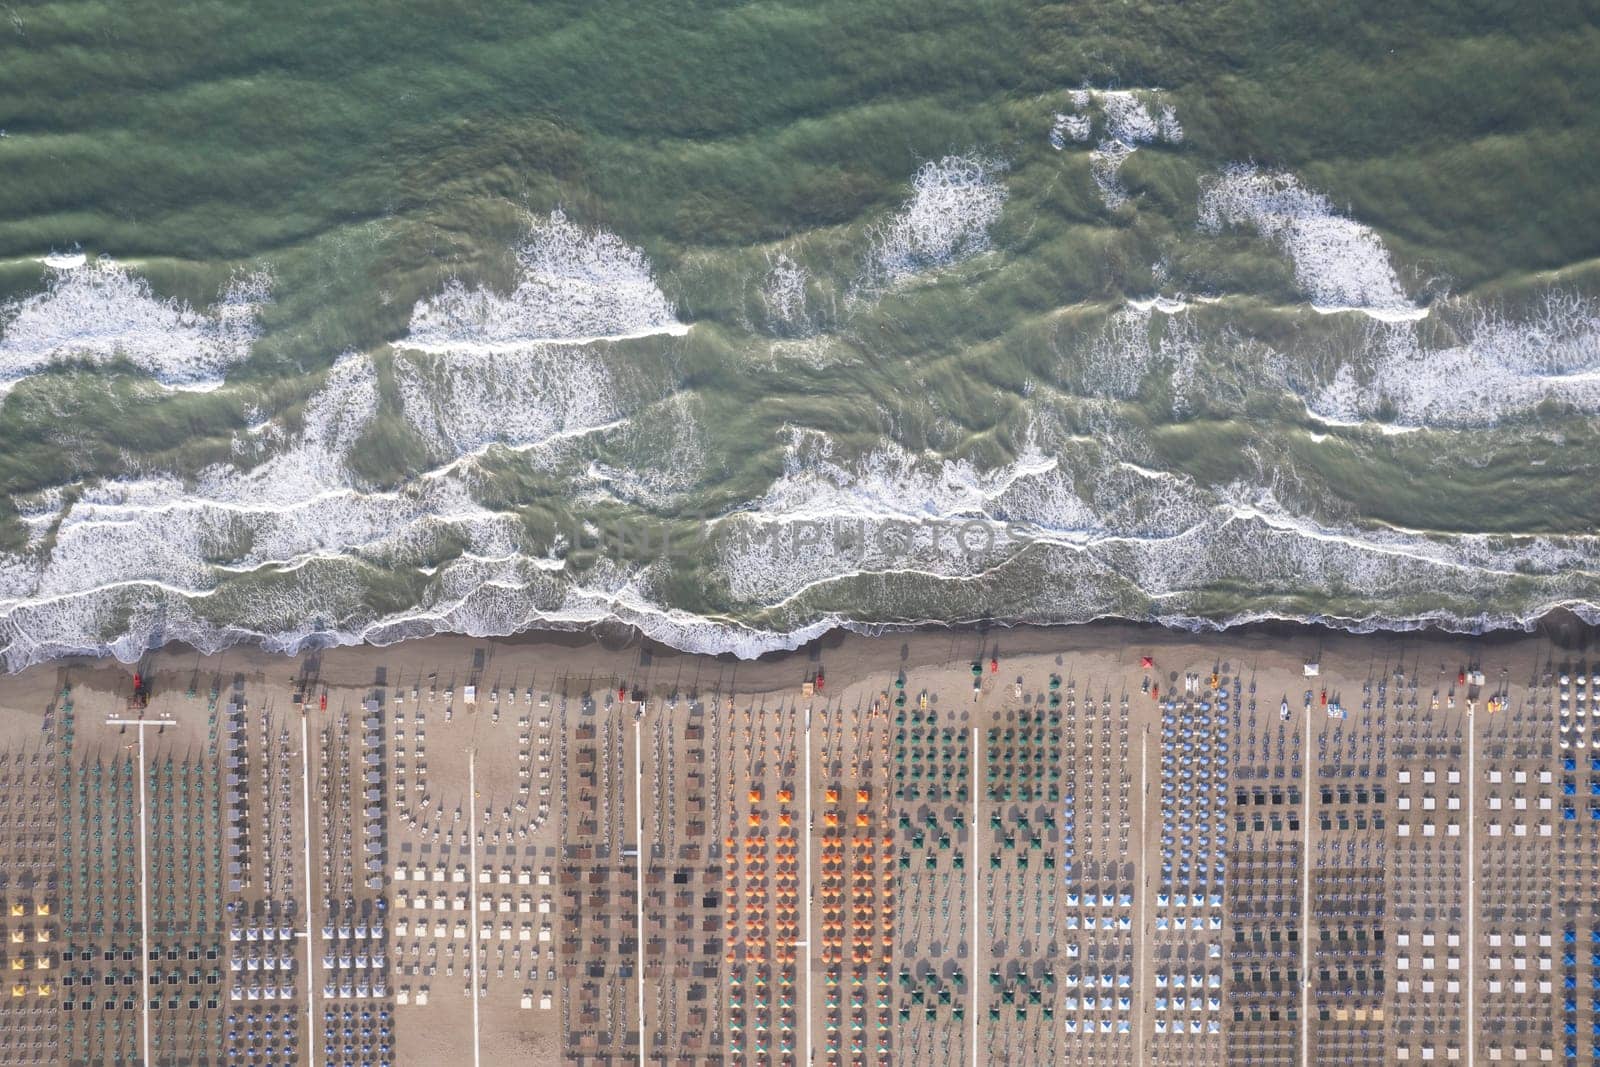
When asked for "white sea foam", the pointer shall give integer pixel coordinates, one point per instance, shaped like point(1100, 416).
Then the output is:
point(324, 603)
point(664, 454)
point(1109, 551)
point(1497, 366)
point(1105, 165)
point(953, 204)
point(1495, 561)
point(39, 512)
point(1318, 572)
point(160, 528)
point(286, 545)
point(1171, 129)
point(65, 260)
point(98, 312)
point(1167, 305)
point(888, 510)
point(460, 403)
point(1339, 263)
point(1128, 125)
point(574, 286)
point(296, 506)
point(1111, 500)
point(149, 551)
point(1181, 346)
point(232, 537)
point(889, 481)
point(1113, 542)
point(1119, 357)
point(1067, 129)
point(1400, 314)
point(1126, 122)
point(1133, 343)
point(1128, 118)
point(783, 297)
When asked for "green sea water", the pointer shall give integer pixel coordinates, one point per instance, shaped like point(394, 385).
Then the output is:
point(740, 321)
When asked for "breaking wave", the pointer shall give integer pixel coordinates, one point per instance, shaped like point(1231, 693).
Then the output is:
point(1339, 263)
point(461, 403)
point(1040, 541)
point(954, 201)
point(1032, 542)
point(784, 299)
point(98, 311)
point(1126, 123)
point(1065, 518)
point(1496, 366)
point(574, 286)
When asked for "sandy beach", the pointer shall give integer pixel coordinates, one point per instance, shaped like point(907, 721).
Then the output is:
point(943, 847)
point(592, 661)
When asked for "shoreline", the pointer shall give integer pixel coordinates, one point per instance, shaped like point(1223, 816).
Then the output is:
point(620, 652)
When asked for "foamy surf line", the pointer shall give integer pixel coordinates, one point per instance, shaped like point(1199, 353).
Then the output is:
point(1165, 304)
point(1388, 429)
point(698, 636)
point(1416, 314)
point(497, 348)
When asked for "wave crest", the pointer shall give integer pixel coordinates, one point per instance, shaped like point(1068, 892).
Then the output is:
point(1339, 263)
point(573, 286)
point(99, 311)
point(953, 203)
